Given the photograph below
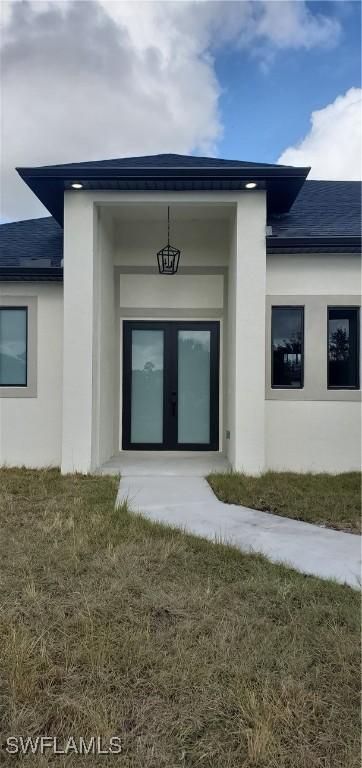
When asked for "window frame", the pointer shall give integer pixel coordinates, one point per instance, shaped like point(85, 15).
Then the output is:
point(287, 386)
point(347, 308)
point(26, 310)
point(29, 303)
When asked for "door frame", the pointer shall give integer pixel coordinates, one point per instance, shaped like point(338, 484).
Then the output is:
point(170, 328)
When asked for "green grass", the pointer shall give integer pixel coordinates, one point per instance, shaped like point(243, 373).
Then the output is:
point(330, 500)
point(194, 653)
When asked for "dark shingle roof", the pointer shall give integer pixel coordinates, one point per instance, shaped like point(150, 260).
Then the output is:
point(166, 161)
point(32, 239)
point(33, 244)
point(322, 209)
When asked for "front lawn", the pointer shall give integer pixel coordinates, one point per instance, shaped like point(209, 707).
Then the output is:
point(193, 653)
point(330, 500)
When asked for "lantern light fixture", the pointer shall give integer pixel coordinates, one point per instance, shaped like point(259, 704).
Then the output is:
point(168, 257)
point(77, 185)
point(251, 185)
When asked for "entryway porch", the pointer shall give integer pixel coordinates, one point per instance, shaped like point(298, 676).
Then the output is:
point(165, 463)
point(153, 361)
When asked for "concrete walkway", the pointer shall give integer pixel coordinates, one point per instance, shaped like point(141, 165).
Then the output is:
point(189, 503)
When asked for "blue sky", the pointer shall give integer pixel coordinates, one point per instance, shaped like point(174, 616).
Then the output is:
point(264, 111)
point(264, 80)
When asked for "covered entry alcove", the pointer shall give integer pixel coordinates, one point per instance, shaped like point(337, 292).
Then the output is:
point(171, 327)
point(205, 308)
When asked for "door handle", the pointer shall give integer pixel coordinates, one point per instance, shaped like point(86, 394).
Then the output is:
point(173, 402)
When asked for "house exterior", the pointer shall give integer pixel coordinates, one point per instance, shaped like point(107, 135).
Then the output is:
point(251, 349)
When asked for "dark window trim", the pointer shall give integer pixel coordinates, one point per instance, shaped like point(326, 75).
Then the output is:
point(287, 306)
point(26, 344)
point(346, 307)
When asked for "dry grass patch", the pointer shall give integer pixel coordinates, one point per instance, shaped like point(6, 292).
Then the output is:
point(330, 500)
point(195, 654)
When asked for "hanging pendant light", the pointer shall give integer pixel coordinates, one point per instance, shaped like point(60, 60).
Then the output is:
point(169, 257)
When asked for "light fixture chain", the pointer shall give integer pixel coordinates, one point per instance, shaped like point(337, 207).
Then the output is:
point(168, 257)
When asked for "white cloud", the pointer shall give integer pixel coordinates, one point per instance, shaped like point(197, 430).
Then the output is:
point(91, 80)
point(76, 87)
point(293, 25)
point(333, 145)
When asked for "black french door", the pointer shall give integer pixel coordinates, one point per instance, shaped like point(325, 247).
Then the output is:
point(170, 385)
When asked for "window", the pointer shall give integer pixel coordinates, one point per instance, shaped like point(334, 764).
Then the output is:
point(343, 364)
point(287, 347)
point(13, 346)
point(18, 346)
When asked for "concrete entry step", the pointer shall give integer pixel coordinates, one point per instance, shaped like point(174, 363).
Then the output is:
point(165, 463)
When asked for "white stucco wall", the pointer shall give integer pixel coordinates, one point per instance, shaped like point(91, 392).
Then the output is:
point(246, 326)
point(313, 273)
point(105, 421)
point(313, 436)
point(30, 428)
point(230, 345)
point(90, 351)
point(184, 292)
point(80, 338)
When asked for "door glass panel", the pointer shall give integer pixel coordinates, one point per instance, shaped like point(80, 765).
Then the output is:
point(194, 386)
point(147, 387)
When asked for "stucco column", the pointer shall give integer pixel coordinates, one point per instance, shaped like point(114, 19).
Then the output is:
point(246, 328)
point(79, 353)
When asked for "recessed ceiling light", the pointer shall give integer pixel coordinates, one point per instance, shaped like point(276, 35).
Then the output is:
point(251, 185)
point(77, 185)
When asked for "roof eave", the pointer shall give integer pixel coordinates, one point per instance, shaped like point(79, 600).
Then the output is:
point(325, 244)
point(49, 183)
point(32, 274)
point(106, 172)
